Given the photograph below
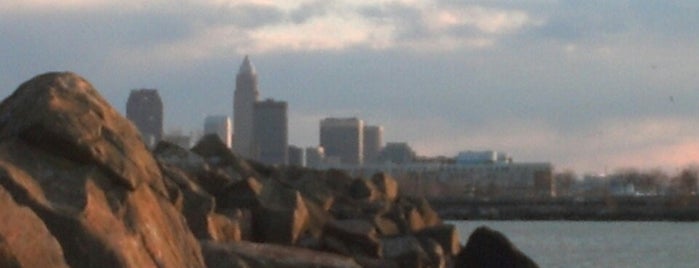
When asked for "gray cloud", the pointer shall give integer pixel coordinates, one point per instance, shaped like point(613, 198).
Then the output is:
point(310, 10)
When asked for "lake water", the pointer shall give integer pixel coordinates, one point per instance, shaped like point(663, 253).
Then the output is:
point(599, 244)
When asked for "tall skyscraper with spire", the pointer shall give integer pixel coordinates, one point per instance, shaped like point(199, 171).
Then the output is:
point(244, 99)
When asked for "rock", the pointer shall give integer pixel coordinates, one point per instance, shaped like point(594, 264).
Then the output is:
point(24, 239)
point(386, 226)
point(446, 235)
point(182, 158)
point(414, 220)
point(315, 189)
point(241, 194)
point(224, 229)
point(429, 216)
point(282, 216)
point(362, 189)
point(269, 255)
point(352, 238)
point(406, 251)
point(217, 154)
point(197, 204)
point(490, 248)
point(85, 172)
point(387, 186)
point(436, 254)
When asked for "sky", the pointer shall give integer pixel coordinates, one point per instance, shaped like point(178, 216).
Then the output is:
point(591, 86)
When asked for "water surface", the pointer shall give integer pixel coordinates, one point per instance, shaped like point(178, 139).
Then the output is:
point(599, 244)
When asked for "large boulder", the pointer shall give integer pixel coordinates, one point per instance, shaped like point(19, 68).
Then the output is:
point(446, 235)
point(387, 186)
point(24, 239)
point(247, 254)
point(282, 215)
point(352, 237)
point(85, 172)
point(406, 251)
point(490, 248)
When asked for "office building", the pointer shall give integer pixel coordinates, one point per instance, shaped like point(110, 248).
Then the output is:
point(373, 143)
point(145, 109)
point(244, 99)
point(397, 153)
point(315, 157)
point(297, 156)
point(343, 139)
point(270, 135)
point(221, 126)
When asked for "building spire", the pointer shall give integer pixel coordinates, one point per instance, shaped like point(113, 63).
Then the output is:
point(247, 67)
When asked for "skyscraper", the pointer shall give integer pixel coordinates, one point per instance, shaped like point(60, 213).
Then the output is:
point(145, 109)
point(221, 126)
point(373, 141)
point(297, 156)
point(244, 99)
point(270, 136)
point(343, 138)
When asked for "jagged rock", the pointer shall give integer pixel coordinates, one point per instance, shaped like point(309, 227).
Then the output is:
point(269, 255)
point(317, 218)
point(197, 204)
point(224, 229)
point(490, 248)
point(24, 239)
point(387, 186)
point(316, 189)
point(282, 215)
point(352, 238)
point(446, 235)
point(414, 220)
point(362, 189)
point(436, 253)
point(182, 158)
point(386, 226)
point(429, 216)
point(405, 250)
point(241, 194)
point(217, 154)
point(86, 173)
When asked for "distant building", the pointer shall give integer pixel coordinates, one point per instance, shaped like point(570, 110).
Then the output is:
point(244, 99)
point(270, 139)
point(220, 125)
point(315, 157)
point(343, 138)
point(397, 153)
point(297, 156)
point(373, 143)
point(482, 157)
point(145, 109)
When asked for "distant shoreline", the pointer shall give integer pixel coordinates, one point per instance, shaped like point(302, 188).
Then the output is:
point(656, 208)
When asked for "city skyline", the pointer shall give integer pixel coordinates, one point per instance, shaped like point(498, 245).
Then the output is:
point(587, 85)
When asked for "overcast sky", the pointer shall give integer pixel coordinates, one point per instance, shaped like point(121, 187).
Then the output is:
point(587, 85)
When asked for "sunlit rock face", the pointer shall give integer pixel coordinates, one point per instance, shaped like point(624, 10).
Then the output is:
point(82, 168)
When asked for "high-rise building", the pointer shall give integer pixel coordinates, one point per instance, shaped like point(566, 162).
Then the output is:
point(373, 142)
point(270, 135)
point(297, 156)
point(244, 99)
point(343, 138)
point(397, 153)
point(315, 157)
point(221, 126)
point(145, 109)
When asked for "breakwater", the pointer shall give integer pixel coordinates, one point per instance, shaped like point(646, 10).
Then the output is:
point(610, 208)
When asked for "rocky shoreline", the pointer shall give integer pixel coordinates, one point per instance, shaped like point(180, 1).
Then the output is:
point(78, 188)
